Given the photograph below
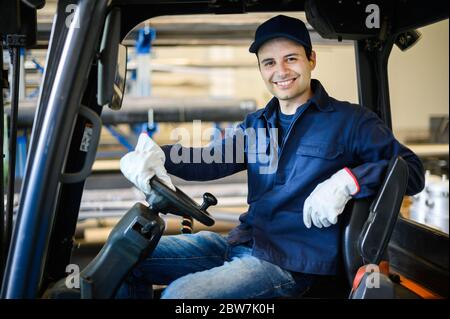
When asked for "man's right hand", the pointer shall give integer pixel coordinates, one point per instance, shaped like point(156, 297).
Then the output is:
point(146, 161)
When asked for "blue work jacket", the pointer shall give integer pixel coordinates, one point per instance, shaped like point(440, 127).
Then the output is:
point(325, 136)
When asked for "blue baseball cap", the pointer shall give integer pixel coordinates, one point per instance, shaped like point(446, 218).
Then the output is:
point(282, 26)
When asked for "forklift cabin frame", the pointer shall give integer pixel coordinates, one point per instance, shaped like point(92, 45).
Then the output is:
point(56, 167)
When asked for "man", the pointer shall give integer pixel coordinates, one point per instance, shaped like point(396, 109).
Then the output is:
point(325, 153)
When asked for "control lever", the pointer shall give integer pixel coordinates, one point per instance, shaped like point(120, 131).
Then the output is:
point(208, 200)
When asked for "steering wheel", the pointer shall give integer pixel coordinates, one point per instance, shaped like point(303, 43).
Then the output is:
point(167, 201)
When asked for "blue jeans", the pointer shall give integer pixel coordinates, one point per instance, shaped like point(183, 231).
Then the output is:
point(204, 265)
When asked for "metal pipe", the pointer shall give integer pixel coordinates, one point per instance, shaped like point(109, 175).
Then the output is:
point(171, 111)
point(15, 61)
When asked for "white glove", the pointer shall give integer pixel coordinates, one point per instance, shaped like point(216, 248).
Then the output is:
point(146, 161)
point(328, 199)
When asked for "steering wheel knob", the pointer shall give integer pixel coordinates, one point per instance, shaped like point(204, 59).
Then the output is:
point(208, 200)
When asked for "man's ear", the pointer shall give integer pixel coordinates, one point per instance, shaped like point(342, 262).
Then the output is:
point(313, 60)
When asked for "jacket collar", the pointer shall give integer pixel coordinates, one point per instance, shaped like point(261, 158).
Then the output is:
point(320, 99)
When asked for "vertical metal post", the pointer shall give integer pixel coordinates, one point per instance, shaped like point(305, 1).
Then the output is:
point(40, 193)
point(15, 61)
point(2, 192)
point(372, 73)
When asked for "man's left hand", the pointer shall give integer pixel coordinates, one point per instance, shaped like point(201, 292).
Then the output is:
point(327, 201)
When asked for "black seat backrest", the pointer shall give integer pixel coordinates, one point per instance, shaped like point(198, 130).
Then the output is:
point(355, 215)
point(368, 223)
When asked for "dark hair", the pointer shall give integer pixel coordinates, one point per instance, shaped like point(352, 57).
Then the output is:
point(308, 53)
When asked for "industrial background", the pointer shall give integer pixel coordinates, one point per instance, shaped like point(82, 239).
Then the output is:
point(190, 67)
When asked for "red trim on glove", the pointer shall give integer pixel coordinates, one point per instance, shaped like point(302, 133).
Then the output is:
point(354, 179)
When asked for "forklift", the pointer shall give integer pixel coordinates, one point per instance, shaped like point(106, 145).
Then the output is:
point(85, 71)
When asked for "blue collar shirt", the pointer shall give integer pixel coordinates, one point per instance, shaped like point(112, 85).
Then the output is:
point(325, 136)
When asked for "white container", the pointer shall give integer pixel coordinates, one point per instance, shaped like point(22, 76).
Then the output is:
point(438, 205)
point(419, 208)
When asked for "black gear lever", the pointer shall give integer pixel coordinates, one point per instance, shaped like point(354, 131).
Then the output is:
point(208, 200)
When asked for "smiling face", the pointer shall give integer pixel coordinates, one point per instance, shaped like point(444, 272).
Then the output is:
point(286, 71)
